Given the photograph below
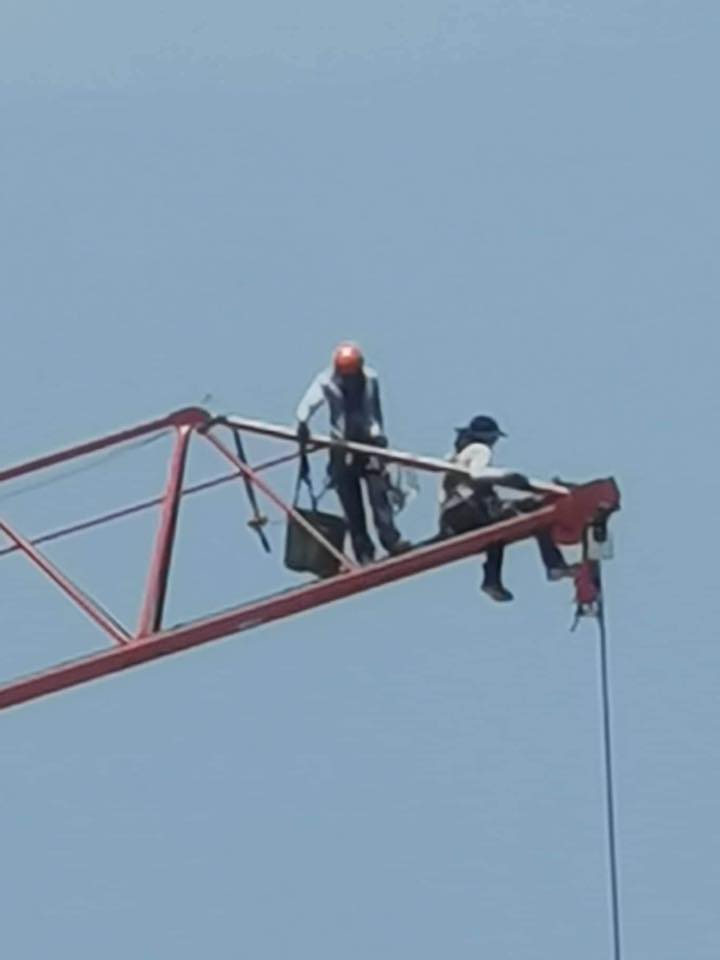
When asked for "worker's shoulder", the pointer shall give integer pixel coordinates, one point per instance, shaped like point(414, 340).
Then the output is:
point(475, 455)
point(325, 377)
point(477, 448)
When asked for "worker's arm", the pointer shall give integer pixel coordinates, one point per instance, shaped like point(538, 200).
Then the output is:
point(377, 426)
point(477, 459)
point(312, 401)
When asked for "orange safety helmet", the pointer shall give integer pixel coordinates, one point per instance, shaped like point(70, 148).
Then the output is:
point(348, 359)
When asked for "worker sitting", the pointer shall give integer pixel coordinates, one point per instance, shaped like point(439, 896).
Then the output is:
point(352, 393)
point(469, 501)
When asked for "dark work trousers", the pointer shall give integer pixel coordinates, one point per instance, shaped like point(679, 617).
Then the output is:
point(464, 515)
point(347, 475)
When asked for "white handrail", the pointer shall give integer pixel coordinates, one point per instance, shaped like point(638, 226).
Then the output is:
point(431, 464)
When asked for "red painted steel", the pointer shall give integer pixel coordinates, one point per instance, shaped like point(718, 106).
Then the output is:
point(156, 589)
point(584, 499)
point(290, 512)
point(193, 417)
point(593, 499)
point(78, 596)
point(566, 512)
point(429, 464)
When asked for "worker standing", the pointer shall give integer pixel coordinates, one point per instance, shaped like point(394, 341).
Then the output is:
point(351, 391)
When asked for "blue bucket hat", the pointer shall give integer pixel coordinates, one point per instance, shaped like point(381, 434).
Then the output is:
point(482, 427)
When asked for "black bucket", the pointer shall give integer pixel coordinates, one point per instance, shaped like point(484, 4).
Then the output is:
point(304, 554)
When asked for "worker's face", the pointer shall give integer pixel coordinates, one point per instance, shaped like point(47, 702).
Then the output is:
point(352, 379)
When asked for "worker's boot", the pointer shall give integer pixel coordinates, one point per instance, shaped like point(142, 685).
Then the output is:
point(400, 546)
point(492, 584)
point(566, 571)
point(555, 564)
point(496, 591)
point(492, 579)
point(363, 549)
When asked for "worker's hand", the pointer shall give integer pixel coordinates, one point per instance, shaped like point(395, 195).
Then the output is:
point(380, 441)
point(303, 433)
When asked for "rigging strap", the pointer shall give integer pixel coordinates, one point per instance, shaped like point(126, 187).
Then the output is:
point(258, 520)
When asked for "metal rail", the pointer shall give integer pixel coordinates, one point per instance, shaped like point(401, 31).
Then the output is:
point(566, 511)
point(303, 599)
point(430, 464)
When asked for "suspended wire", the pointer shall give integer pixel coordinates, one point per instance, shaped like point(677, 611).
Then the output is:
point(609, 777)
point(132, 509)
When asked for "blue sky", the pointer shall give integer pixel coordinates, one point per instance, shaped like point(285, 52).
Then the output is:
point(513, 205)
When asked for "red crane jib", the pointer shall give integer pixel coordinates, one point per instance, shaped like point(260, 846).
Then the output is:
point(568, 514)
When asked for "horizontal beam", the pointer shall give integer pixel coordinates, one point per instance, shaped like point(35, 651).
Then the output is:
point(201, 419)
point(587, 500)
point(193, 417)
point(431, 464)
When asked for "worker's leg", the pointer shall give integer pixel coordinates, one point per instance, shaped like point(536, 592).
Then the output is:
point(552, 558)
point(347, 485)
point(492, 579)
point(461, 515)
point(383, 517)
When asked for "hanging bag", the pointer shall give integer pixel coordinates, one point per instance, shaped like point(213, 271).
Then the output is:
point(303, 553)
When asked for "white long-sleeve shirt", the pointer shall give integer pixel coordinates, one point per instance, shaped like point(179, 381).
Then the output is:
point(327, 389)
point(476, 458)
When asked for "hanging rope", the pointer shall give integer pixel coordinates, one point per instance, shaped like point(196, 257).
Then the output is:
point(609, 777)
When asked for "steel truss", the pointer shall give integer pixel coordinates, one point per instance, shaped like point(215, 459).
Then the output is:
point(566, 511)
